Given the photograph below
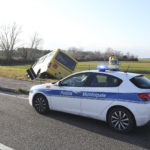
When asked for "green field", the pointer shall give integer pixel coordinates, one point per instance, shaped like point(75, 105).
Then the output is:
point(19, 72)
point(141, 67)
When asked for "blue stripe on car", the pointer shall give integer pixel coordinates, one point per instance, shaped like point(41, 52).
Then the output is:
point(128, 97)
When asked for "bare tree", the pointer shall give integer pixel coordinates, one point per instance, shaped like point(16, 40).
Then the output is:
point(22, 52)
point(9, 39)
point(35, 41)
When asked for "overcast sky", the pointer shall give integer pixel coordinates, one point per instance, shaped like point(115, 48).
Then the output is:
point(89, 24)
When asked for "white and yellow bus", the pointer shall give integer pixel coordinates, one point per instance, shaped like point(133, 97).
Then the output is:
point(57, 64)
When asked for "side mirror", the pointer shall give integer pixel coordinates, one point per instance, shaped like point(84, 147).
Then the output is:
point(60, 83)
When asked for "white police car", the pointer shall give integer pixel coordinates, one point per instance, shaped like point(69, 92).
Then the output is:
point(119, 98)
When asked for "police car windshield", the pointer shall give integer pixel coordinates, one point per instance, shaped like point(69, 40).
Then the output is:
point(141, 82)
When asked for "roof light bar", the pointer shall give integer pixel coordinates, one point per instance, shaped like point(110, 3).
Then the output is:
point(102, 67)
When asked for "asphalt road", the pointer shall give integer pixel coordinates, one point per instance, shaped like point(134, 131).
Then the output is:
point(21, 128)
point(16, 84)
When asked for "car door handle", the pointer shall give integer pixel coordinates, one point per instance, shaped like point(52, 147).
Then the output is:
point(76, 92)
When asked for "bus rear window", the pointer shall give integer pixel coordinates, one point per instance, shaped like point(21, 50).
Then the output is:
point(65, 60)
point(141, 82)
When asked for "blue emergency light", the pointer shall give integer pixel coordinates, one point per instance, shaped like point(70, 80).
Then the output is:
point(102, 67)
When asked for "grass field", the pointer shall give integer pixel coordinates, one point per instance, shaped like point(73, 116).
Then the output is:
point(19, 72)
point(140, 67)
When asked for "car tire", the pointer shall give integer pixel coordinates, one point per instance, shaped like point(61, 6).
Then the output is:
point(121, 120)
point(45, 75)
point(40, 104)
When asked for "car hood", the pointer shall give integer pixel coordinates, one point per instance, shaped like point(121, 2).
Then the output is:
point(41, 86)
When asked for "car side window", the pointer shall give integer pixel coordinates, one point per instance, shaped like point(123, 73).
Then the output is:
point(77, 80)
point(102, 80)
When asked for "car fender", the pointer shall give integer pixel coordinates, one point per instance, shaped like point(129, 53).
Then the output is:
point(114, 104)
point(40, 92)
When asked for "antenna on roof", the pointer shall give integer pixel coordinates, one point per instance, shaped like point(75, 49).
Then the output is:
point(89, 67)
point(127, 68)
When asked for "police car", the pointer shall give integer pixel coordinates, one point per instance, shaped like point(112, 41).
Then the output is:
point(119, 98)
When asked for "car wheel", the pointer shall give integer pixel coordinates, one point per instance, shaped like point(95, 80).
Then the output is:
point(40, 104)
point(120, 119)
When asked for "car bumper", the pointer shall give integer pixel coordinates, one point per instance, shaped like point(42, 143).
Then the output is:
point(31, 94)
point(141, 113)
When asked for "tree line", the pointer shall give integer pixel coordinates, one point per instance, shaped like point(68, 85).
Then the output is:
point(82, 55)
point(14, 51)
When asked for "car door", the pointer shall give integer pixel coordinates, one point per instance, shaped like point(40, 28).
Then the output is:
point(68, 91)
point(100, 91)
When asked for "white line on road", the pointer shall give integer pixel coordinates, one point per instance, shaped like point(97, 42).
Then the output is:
point(16, 96)
point(4, 147)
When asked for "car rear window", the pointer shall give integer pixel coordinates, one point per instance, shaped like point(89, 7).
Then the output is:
point(65, 60)
point(141, 82)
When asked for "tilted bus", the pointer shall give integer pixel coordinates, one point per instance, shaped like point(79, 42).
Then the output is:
point(57, 64)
